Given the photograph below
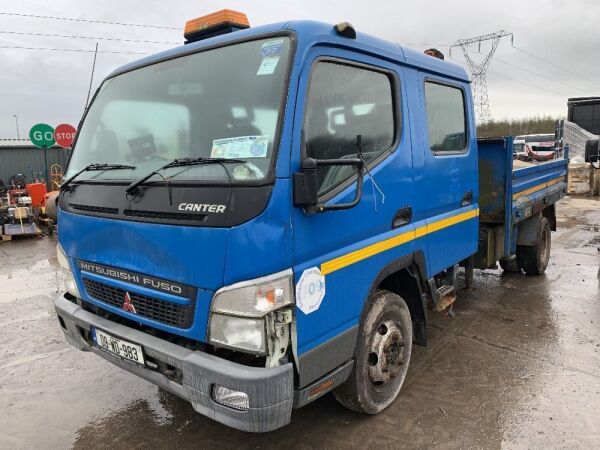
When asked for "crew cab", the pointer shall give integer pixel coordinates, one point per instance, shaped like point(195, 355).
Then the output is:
point(264, 215)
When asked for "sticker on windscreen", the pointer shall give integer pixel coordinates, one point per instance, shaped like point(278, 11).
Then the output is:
point(240, 147)
point(271, 47)
point(247, 171)
point(268, 65)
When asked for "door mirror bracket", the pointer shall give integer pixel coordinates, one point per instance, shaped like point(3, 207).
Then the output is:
point(306, 188)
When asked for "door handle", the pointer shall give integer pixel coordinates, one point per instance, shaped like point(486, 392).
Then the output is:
point(467, 199)
point(402, 217)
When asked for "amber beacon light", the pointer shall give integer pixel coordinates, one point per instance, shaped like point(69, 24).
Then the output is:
point(220, 22)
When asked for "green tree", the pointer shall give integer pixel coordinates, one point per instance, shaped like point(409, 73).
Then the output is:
point(514, 127)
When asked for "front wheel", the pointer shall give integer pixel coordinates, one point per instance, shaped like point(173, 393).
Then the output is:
point(382, 355)
point(534, 259)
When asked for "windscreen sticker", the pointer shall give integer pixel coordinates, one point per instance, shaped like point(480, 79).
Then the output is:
point(310, 290)
point(268, 65)
point(271, 47)
point(240, 147)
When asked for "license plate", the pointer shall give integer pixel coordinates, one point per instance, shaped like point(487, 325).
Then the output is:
point(116, 346)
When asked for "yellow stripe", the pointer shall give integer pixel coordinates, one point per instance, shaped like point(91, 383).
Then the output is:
point(381, 246)
point(536, 188)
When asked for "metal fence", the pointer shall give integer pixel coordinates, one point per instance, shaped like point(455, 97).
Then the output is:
point(29, 161)
point(572, 135)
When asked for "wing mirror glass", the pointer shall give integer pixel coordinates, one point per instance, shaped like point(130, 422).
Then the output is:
point(306, 182)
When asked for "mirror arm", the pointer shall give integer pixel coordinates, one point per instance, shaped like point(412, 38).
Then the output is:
point(321, 207)
point(305, 184)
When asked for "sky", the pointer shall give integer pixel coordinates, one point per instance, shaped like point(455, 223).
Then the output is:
point(51, 86)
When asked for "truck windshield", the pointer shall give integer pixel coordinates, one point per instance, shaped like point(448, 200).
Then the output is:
point(220, 103)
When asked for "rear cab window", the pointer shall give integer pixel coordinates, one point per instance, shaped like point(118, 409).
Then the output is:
point(446, 118)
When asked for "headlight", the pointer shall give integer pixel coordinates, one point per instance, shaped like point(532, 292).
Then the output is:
point(240, 333)
point(68, 280)
point(255, 298)
point(238, 311)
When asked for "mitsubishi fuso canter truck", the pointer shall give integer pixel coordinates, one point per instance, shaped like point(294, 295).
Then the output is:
point(264, 215)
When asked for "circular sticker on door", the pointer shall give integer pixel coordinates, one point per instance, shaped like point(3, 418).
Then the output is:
point(310, 290)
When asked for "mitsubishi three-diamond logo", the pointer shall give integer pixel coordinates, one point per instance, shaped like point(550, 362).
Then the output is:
point(127, 305)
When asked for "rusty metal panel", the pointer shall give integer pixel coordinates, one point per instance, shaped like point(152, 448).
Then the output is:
point(492, 180)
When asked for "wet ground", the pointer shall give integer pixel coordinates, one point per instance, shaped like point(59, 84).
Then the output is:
point(519, 367)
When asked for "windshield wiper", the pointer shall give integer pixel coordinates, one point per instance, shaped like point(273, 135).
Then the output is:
point(94, 167)
point(180, 163)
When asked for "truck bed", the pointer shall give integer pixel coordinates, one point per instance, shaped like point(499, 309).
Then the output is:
point(511, 193)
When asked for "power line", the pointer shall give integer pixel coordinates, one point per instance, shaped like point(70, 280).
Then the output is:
point(138, 41)
point(70, 50)
point(532, 55)
point(527, 84)
point(426, 45)
point(516, 81)
point(541, 76)
point(555, 65)
point(105, 22)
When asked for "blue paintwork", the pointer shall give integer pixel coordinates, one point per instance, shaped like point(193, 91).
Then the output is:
point(263, 245)
point(189, 255)
point(496, 172)
point(509, 182)
point(139, 289)
point(454, 176)
point(528, 177)
point(283, 236)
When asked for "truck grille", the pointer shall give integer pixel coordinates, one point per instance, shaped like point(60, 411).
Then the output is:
point(173, 314)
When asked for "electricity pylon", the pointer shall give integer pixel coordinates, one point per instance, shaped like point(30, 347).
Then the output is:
point(479, 69)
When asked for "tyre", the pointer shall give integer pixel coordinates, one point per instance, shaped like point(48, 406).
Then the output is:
point(510, 265)
point(534, 259)
point(382, 355)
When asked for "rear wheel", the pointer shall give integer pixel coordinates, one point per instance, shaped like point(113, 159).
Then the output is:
point(382, 355)
point(534, 259)
point(510, 265)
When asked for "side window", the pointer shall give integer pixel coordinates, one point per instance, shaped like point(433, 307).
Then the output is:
point(446, 117)
point(343, 102)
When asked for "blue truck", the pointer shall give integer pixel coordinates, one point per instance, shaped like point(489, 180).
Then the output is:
point(264, 215)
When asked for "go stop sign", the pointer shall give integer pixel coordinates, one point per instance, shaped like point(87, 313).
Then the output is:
point(42, 135)
point(64, 134)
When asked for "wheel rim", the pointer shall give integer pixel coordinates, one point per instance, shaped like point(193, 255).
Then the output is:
point(386, 353)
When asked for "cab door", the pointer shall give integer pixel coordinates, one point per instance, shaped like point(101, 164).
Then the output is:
point(449, 185)
point(336, 255)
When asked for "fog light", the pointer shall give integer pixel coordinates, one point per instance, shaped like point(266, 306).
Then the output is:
point(233, 399)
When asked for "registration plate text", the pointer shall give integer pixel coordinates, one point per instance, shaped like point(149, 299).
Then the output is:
point(116, 346)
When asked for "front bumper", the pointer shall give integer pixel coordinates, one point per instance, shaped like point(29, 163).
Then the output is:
point(270, 390)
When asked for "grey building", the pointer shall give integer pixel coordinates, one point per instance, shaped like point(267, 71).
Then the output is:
point(21, 156)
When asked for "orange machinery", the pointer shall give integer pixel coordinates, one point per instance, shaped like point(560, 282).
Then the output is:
point(37, 192)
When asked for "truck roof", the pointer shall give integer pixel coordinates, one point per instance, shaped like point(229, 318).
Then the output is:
point(576, 100)
point(308, 34)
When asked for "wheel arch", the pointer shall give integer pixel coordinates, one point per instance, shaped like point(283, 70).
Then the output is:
point(406, 278)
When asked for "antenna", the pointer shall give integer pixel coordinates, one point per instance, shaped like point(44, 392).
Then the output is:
point(479, 69)
point(87, 100)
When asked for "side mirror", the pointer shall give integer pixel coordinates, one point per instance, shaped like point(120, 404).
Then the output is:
point(592, 151)
point(306, 188)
